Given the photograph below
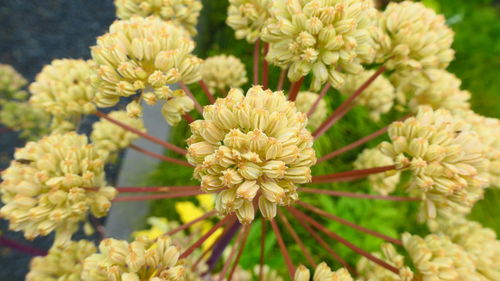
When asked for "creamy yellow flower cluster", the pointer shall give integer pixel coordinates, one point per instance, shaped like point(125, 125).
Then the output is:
point(223, 72)
point(144, 55)
point(370, 271)
point(32, 123)
point(184, 13)
point(322, 273)
point(11, 84)
point(52, 185)
point(249, 145)
point(305, 100)
point(248, 17)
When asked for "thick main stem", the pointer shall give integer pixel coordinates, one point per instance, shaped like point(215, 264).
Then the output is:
point(318, 100)
point(350, 224)
point(142, 134)
point(356, 195)
point(297, 239)
point(160, 157)
point(158, 196)
point(294, 89)
point(205, 237)
point(205, 89)
point(351, 175)
point(284, 251)
point(343, 108)
point(344, 241)
point(265, 68)
point(186, 90)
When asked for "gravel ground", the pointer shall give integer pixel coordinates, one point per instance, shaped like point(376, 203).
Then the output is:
point(33, 33)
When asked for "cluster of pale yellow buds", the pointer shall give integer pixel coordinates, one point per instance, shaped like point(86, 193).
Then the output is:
point(63, 89)
point(144, 55)
point(63, 262)
point(11, 84)
point(480, 243)
point(416, 37)
point(109, 139)
point(383, 183)
point(322, 273)
point(141, 260)
point(305, 100)
point(325, 37)
point(248, 17)
point(184, 13)
point(437, 258)
point(53, 185)
point(32, 123)
point(434, 87)
point(378, 98)
point(370, 271)
point(446, 159)
point(249, 145)
point(223, 72)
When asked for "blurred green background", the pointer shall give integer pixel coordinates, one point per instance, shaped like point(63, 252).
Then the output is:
point(477, 63)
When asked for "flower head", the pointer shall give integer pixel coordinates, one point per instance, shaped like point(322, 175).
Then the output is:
point(248, 17)
point(62, 262)
point(223, 72)
point(109, 138)
point(446, 159)
point(322, 273)
point(250, 145)
point(184, 13)
point(62, 88)
point(325, 37)
point(11, 84)
point(32, 122)
point(383, 183)
point(123, 261)
point(370, 271)
point(144, 55)
point(52, 185)
point(305, 100)
point(378, 98)
point(419, 39)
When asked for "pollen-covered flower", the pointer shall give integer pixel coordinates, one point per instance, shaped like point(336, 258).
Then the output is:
point(248, 145)
point(419, 39)
point(325, 37)
point(145, 55)
point(62, 262)
point(383, 183)
point(248, 17)
point(446, 159)
point(11, 84)
point(31, 122)
point(63, 88)
point(436, 258)
point(184, 13)
point(143, 259)
point(109, 138)
point(52, 185)
point(322, 273)
point(480, 243)
point(378, 98)
point(434, 87)
point(223, 72)
point(370, 271)
point(305, 100)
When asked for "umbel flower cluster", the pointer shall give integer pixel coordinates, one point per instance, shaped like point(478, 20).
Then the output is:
point(252, 183)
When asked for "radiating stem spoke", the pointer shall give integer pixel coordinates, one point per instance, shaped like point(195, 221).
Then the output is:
point(158, 196)
point(189, 119)
point(318, 100)
point(281, 80)
point(6, 242)
point(294, 89)
point(256, 58)
point(160, 157)
point(356, 195)
point(186, 90)
point(265, 68)
point(284, 251)
point(297, 239)
point(262, 248)
point(351, 175)
point(231, 254)
point(207, 92)
point(127, 189)
point(189, 224)
point(240, 251)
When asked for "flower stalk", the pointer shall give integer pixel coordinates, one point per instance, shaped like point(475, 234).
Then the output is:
point(160, 157)
point(351, 175)
point(188, 92)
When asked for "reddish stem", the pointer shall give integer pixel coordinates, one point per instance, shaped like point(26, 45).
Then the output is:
point(227, 227)
point(265, 68)
point(161, 157)
point(205, 89)
point(262, 248)
point(350, 175)
point(6, 242)
point(240, 252)
point(294, 89)
point(281, 80)
point(322, 242)
point(297, 239)
point(356, 195)
point(284, 251)
point(205, 237)
point(318, 100)
point(158, 196)
point(189, 119)
point(142, 134)
point(256, 51)
point(231, 254)
point(187, 225)
point(127, 189)
point(344, 241)
point(343, 108)
point(186, 90)
point(350, 224)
